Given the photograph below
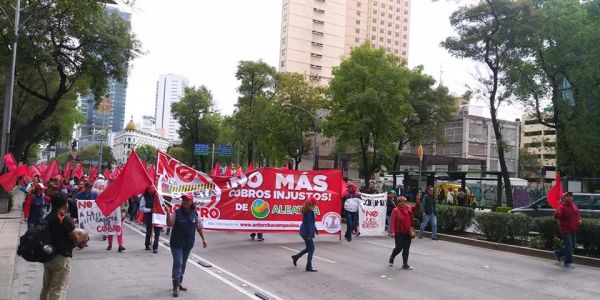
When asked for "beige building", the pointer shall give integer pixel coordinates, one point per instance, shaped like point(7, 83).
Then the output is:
point(540, 140)
point(317, 34)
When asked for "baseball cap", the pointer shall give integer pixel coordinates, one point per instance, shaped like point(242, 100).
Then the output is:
point(39, 187)
point(312, 200)
point(88, 184)
point(392, 192)
point(187, 196)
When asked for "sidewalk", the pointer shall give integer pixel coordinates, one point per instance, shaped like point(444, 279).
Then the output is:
point(9, 239)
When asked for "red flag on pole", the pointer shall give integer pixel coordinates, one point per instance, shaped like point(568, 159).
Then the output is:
point(106, 174)
point(9, 179)
point(286, 166)
point(133, 180)
point(151, 172)
point(34, 170)
point(78, 172)
point(51, 171)
point(67, 170)
point(250, 167)
point(239, 171)
point(10, 162)
point(228, 171)
point(555, 193)
point(216, 171)
point(93, 173)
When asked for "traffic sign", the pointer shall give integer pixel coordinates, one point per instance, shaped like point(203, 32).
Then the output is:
point(224, 150)
point(201, 149)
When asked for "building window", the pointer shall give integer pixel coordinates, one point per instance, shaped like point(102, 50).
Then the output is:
point(317, 67)
point(375, 20)
point(375, 12)
point(357, 4)
point(388, 49)
point(382, 22)
point(374, 29)
point(397, 26)
point(405, 20)
point(357, 22)
point(389, 32)
point(316, 44)
point(317, 32)
point(397, 34)
point(390, 16)
point(357, 30)
point(383, 5)
point(381, 39)
point(381, 30)
point(373, 38)
point(383, 14)
point(404, 45)
point(405, 36)
point(318, 22)
point(398, 9)
point(405, 28)
point(316, 55)
point(389, 41)
point(403, 53)
point(282, 52)
point(396, 43)
point(389, 24)
point(358, 12)
point(397, 18)
point(317, 10)
point(396, 51)
point(356, 40)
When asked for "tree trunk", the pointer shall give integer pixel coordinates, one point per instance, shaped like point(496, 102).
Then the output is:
point(501, 159)
point(250, 152)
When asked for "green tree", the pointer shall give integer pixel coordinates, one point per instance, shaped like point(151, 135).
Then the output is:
point(66, 47)
point(147, 153)
point(489, 33)
point(257, 83)
point(181, 154)
point(93, 153)
point(289, 126)
point(530, 165)
point(198, 118)
point(368, 105)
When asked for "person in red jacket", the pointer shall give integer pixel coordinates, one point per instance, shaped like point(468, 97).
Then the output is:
point(400, 226)
point(569, 220)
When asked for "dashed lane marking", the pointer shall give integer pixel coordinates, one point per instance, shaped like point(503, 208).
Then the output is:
point(317, 257)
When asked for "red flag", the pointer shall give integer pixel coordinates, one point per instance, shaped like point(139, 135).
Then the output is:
point(250, 167)
point(286, 166)
point(116, 173)
point(216, 171)
point(106, 174)
point(555, 193)
point(133, 180)
point(151, 172)
point(78, 172)
point(9, 179)
point(67, 170)
point(43, 167)
point(228, 171)
point(51, 171)
point(239, 171)
point(34, 170)
point(93, 173)
point(10, 162)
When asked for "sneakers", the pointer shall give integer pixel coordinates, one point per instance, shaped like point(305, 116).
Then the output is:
point(121, 249)
point(391, 262)
point(558, 257)
point(434, 238)
point(294, 260)
point(569, 266)
point(260, 239)
point(406, 267)
point(155, 251)
point(108, 248)
point(311, 270)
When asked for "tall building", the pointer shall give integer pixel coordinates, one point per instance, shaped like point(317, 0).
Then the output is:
point(540, 140)
point(108, 116)
point(131, 138)
point(169, 89)
point(148, 123)
point(317, 34)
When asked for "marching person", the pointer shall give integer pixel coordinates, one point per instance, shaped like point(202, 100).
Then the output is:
point(391, 204)
point(401, 230)
point(185, 223)
point(352, 202)
point(146, 206)
point(429, 214)
point(123, 210)
point(39, 202)
point(569, 220)
point(308, 229)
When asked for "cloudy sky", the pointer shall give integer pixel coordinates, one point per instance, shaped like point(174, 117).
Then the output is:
point(204, 41)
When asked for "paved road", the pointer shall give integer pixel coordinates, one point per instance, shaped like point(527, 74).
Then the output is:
point(242, 267)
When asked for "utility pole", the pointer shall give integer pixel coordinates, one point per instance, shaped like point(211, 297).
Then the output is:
point(105, 132)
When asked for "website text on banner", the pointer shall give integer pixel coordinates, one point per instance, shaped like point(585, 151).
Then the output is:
point(371, 219)
point(92, 220)
point(265, 200)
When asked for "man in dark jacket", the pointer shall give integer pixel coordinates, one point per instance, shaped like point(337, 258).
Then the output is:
point(429, 214)
point(391, 204)
point(569, 220)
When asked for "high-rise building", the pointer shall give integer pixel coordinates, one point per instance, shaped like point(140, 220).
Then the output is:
point(317, 34)
point(169, 89)
point(540, 140)
point(148, 123)
point(109, 115)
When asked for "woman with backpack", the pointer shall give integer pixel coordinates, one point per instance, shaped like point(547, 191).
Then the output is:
point(401, 229)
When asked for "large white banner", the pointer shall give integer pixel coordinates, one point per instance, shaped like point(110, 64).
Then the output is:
point(94, 222)
point(371, 219)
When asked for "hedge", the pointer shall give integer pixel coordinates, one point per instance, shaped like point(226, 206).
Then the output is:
point(499, 227)
point(449, 219)
point(502, 209)
point(588, 236)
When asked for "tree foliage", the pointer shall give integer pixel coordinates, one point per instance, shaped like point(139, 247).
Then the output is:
point(65, 47)
point(147, 153)
point(93, 153)
point(181, 154)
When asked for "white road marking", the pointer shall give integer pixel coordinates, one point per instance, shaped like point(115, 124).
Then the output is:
point(392, 247)
point(595, 291)
point(220, 271)
point(317, 257)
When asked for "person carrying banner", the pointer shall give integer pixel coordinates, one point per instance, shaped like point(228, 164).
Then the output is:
point(185, 223)
point(146, 206)
point(308, 229)
point(569, 220)
point(429, 214)
point(123, 208)
point(401, 230)
point(352, 202)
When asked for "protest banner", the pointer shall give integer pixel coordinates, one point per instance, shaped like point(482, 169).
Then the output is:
point(371, 219)
point(94, 222)
point(262, 200)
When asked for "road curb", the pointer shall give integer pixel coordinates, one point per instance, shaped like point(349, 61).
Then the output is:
point(577, 259)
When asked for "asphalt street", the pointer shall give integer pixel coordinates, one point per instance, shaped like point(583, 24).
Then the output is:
point(241, 268)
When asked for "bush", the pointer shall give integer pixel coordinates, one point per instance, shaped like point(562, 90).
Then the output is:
point(502, 209)
point(449, 219)
point(548, 229)
point(500, 227)
point(589, 236)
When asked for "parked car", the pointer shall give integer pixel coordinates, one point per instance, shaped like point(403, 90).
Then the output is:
point(589, 206)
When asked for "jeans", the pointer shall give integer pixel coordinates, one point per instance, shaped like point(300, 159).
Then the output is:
point(402, 241)
point(149, 229)
point(180, 257)
point(566, 251)
point(433, 219)
point(350, 224)
point(134, 209)
point(310, 249)
point(119, 237)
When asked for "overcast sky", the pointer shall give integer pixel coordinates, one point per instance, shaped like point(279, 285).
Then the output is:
point(205, 40)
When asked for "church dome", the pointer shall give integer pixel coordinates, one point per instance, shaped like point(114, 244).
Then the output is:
point(130, 126)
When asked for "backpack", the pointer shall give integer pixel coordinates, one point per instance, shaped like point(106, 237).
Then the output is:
point(36, 245)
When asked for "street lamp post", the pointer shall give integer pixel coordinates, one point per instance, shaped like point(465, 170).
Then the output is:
point(11, 87)
point(316, 132)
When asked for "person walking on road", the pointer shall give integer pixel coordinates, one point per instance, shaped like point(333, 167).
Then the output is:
point(146, 206)
point(352, 201)
point(391, 204)
point(308, 229)
point(429, 214)
point(64, 238)
point(402, 231)
point(39, 202)
point(123, 210)
point(569, 220)
point(185, 223)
